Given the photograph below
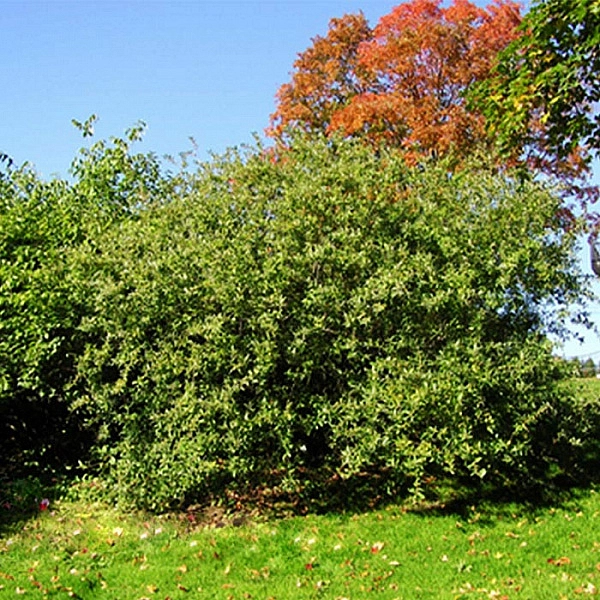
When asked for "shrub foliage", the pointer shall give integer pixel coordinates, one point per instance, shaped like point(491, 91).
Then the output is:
point(323, 308)
point(40, 222)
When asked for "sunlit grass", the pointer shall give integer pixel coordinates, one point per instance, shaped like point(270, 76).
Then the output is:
point(490, 551)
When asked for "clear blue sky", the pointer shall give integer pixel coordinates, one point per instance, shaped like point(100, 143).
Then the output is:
point(202, 69)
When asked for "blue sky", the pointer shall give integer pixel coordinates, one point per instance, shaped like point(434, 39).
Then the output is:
point(202, 69)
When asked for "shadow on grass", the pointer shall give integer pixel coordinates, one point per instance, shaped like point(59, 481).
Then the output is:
point(40, 442)
point(22, 499)
point(323, 492)
point(25, 499)
point(326, 493)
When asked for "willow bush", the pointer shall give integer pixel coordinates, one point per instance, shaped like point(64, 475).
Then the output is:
point(40, 223)
point(324, 308)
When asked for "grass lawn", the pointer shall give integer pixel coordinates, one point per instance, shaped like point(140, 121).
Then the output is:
point(79, 550)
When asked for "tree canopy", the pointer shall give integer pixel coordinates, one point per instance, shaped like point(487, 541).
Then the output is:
point(402, 83)
point(431, 80)
point(542, 98)
point(550, 75)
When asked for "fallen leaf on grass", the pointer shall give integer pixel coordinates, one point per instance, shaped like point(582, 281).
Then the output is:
point(588, 588)
point(559, 562)
point(264, 573)
point(36, 583)
point(377, 547)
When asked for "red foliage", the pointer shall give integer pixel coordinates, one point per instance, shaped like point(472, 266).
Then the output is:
point(326, 75)
point(403, 82)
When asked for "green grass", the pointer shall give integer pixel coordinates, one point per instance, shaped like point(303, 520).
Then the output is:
point(498, 551)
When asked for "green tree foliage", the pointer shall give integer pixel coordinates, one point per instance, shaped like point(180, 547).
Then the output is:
point(588, 368)
point(547, 88)
point(326, 308)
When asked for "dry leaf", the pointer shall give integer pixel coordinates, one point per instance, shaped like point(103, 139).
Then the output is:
point(559, 562)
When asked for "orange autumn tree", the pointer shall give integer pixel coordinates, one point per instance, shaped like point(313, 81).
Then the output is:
point(402, 83)
point(327, 75)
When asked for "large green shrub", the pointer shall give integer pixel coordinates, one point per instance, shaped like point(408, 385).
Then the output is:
point(323, 307)
point(40, 221)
